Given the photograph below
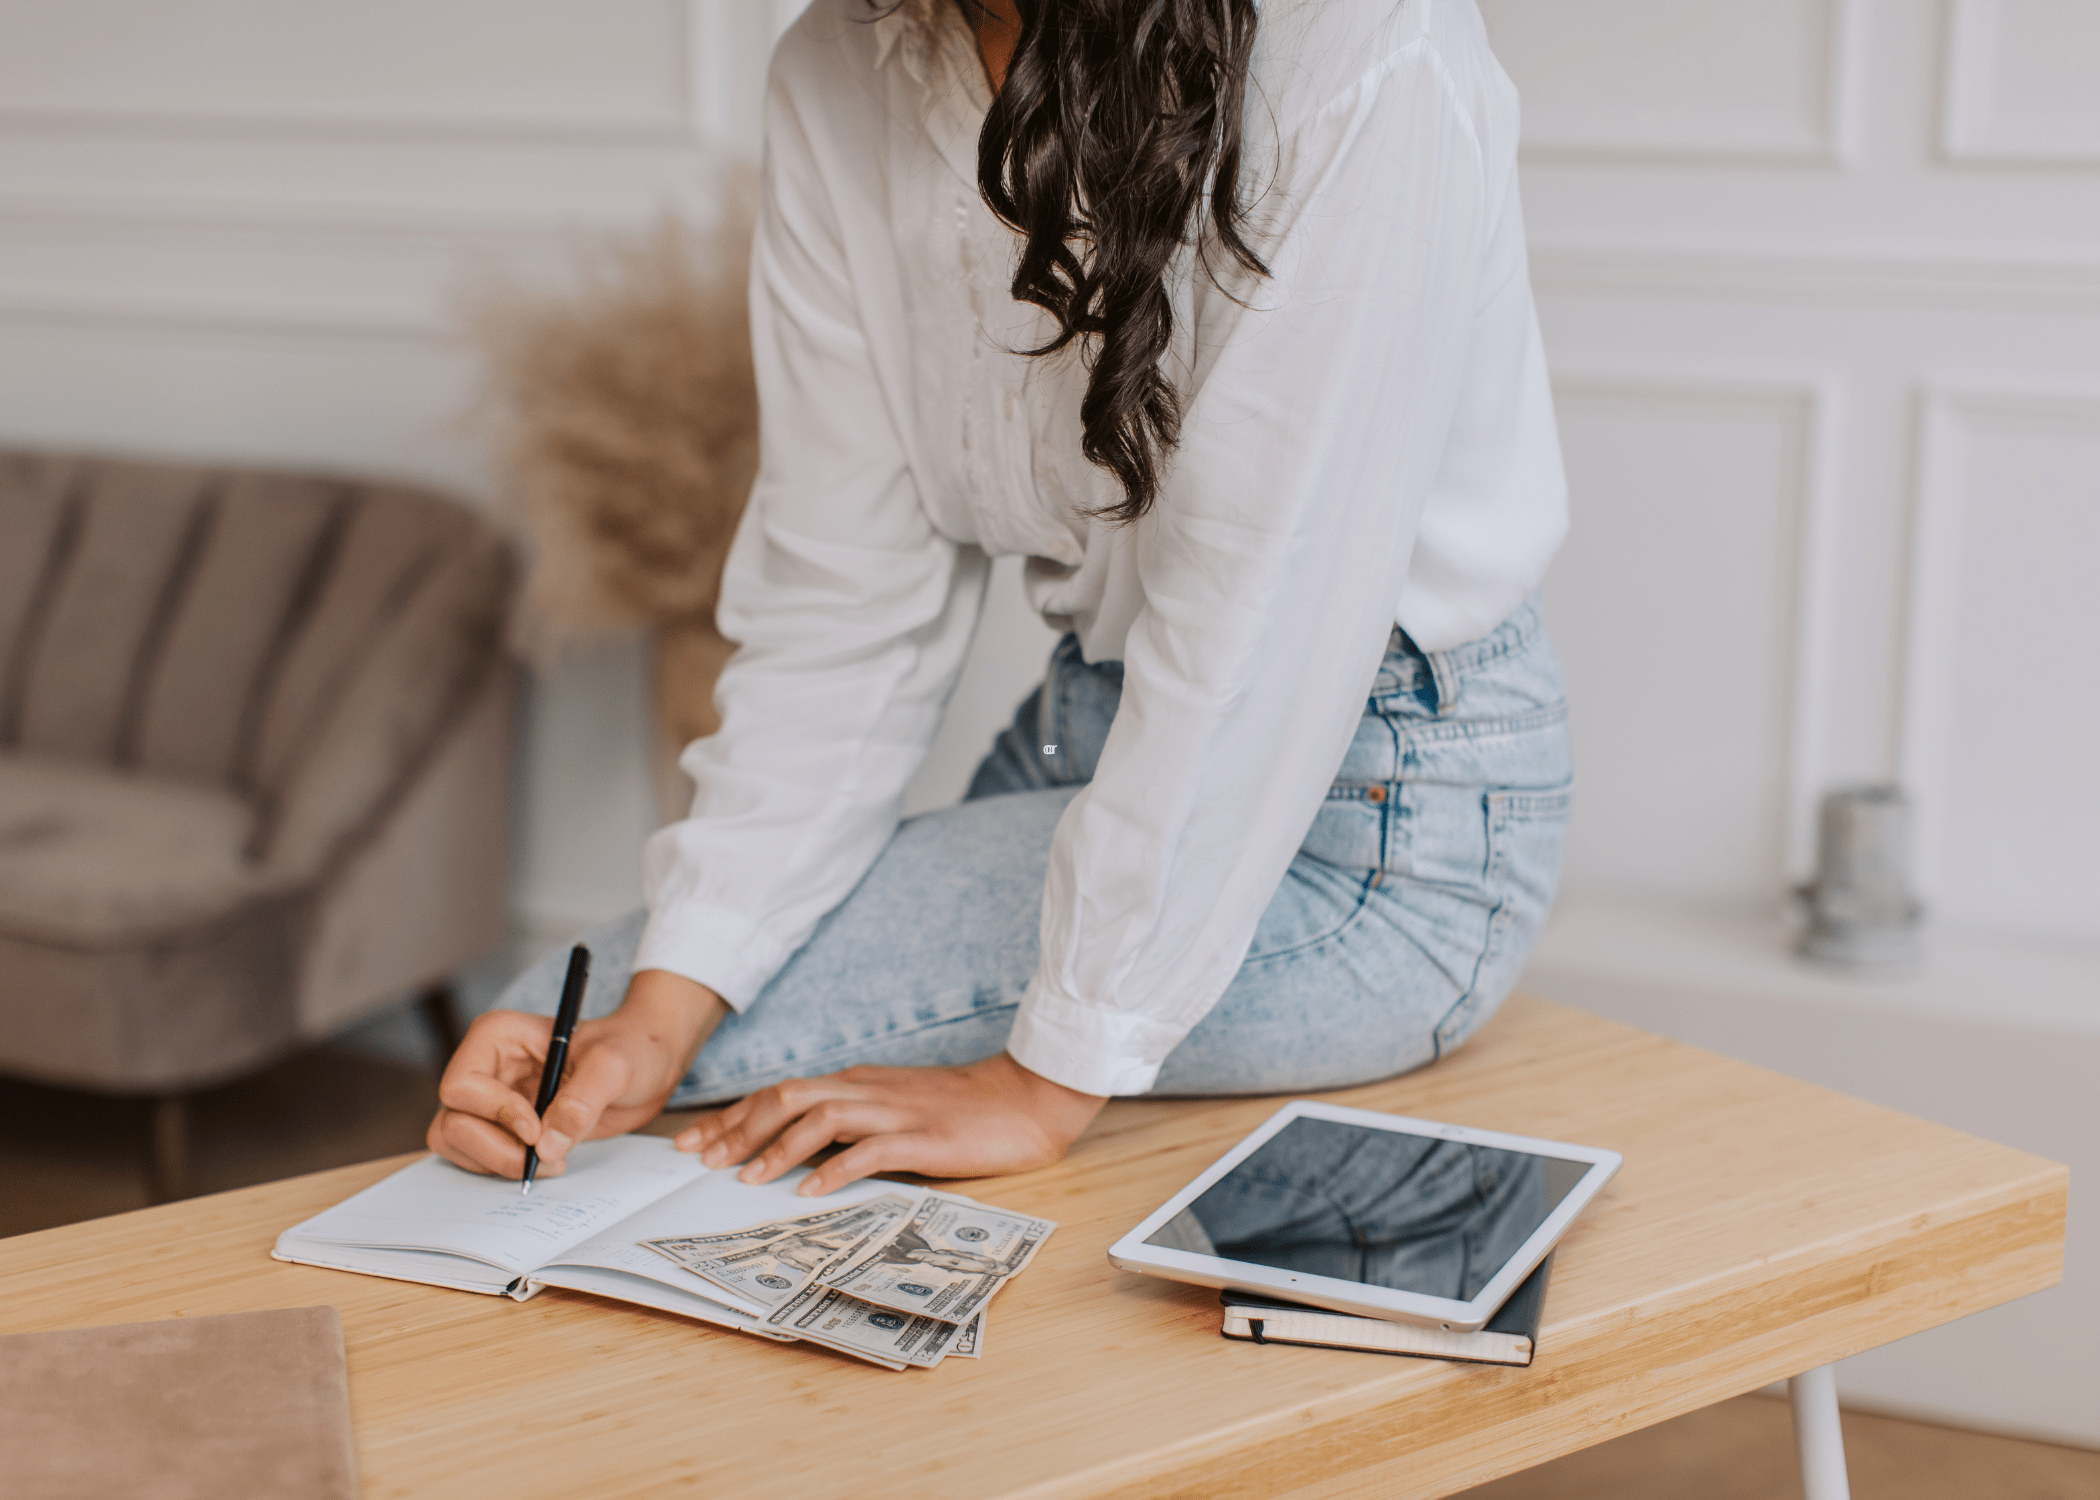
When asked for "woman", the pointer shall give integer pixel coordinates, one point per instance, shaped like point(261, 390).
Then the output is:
point(1220, 317)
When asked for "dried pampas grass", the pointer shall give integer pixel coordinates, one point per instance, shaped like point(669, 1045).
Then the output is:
point(625, 418)
point(626, 425)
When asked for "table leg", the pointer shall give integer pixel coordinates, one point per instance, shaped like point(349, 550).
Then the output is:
point(1817, 1436)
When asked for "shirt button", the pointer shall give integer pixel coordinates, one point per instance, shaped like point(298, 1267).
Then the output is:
point(1375, 794)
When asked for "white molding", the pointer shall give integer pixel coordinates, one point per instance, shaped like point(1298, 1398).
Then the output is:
point(1973, 128)
point(1831, 140)
point(1817, 397)
point(1938, 276)
point(711, 84)
point(1933, 589)
point(207, 315)
point(456, 242)
point(359, 129)
point(1815, 644)
point(729, 49)
point(331, 220)
point(1844, 105)
point(701, 44)
point(686, 127)
point(1966, 57)
point(1949, 407)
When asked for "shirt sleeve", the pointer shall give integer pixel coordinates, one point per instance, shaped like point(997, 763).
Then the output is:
point(1271, 566)
point(851, 613)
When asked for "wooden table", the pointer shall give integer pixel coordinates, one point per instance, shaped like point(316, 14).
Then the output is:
point(1759, 1229)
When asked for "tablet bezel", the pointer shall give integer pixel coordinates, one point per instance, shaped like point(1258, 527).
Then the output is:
point(1131, 1253)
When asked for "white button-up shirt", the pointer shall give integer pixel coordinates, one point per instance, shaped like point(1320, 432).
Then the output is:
point(1368, 439)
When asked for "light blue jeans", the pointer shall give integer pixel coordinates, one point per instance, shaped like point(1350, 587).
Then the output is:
point(1397, 930)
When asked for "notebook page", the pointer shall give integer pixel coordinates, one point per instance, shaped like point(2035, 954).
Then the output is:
point(623, 1287)
point(424, 1267)
point(714, 1204)
point(434, 1205)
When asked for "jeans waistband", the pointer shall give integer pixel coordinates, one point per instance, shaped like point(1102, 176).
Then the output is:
point(1407, 667)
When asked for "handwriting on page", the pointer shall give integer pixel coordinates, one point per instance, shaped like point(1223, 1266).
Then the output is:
point(555, 1220)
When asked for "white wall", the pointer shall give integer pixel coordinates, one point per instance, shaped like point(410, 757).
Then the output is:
point(1820, 281)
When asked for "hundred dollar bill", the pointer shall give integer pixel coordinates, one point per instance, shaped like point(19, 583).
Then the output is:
point(876, 1333)
point(946, 1261)
point(768, 1263)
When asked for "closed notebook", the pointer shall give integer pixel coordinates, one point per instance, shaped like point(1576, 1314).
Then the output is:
point(245, 1406)
point(1510, 1338)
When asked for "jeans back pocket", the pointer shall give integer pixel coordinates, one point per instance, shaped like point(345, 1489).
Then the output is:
point(1525, 832)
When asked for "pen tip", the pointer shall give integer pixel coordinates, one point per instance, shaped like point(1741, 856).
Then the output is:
point(525, 1190)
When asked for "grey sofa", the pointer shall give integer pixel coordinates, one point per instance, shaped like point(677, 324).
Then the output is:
point(255, 736)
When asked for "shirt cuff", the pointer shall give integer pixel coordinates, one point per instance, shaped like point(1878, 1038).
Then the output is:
point(711, 946)
point(1091, 1048)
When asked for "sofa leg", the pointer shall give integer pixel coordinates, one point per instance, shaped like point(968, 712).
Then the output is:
point(167, 1148)
point(441, 1016)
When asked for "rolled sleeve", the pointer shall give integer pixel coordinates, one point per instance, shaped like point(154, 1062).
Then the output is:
point(724, 950)
point(1091, 1048)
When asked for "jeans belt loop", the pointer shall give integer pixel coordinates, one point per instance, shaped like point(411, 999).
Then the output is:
point(1445, 675)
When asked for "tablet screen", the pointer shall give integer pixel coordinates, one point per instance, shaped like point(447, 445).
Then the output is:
point(1413, 1213)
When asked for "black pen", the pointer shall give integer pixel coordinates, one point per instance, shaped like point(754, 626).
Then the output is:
point(558, 1048)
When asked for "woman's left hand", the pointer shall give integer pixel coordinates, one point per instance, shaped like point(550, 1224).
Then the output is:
point(980, 1120)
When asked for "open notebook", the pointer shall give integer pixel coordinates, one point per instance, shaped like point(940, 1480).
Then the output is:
point(439, 1225)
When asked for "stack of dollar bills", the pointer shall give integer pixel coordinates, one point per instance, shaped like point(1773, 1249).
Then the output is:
point(899, 1280)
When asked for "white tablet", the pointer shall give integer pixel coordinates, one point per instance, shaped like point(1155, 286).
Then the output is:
point(1380, 1215)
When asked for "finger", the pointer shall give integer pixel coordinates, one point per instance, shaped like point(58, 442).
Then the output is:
point(903, 1151)
point(879, 1073)
point(504, 1044)
point(700, 1134)
point(476, 1144)
point(494, 1067)
point(832, 1120)
point(480, 1095)
point(748, 1124)
point(768, 1112)
point(599, 1077)
point(709, 1133)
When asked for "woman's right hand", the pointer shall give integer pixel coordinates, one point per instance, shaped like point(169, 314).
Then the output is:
point(621, 1068)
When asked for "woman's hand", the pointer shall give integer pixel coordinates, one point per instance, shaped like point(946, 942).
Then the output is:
point(979, 1120)
point(620, 1070)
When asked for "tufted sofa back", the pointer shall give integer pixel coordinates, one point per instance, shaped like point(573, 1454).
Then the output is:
point(207, 625)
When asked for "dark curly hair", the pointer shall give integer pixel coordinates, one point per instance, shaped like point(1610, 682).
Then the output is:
point(1117, 120)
